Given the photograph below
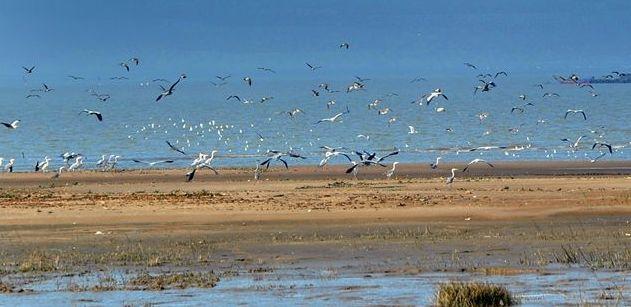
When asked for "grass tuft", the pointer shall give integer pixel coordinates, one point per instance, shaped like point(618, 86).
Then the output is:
point(173, 281)
point(473, 294)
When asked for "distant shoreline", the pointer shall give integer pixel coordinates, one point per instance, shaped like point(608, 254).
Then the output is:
point(332, 172)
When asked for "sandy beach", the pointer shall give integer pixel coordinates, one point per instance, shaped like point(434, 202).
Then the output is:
point(510, 219)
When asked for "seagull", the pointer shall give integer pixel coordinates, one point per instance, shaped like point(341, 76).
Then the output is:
point(102, 163)
point(315, 93)
point(500, 73)
point(520, 109)
point(332, 153)
point(234, 97)
point(175, 148)
point(95, 113)
point(218, 84)
point(574, 112)
point(390, 172)
point(257, 172)
point(522, 97)
point(190, 175)
point(418, 79)
point(435, 164)
point(434, 94)
point(136, 61)
point(75, 77)
point(450, 180)
point(345, 45)
point(575, 144)
point(42, 166)
point(278, 156)
point(470, 65)
point(58, 173)
point(124, 65)
point(474, 161)
point(294, 112)
point(329, 104)
point(313, 67)
point(29, 70)
point(13, 125)
point(33, 96)
point(223, 78)
point(264, 99)
point(266, 69)
point(412, 130)
point(600, 145)
point(354, 87)
point(77, 164)
point(485, 87)
point(152, 163)
point(47, 89)
point(334, 118)
point(169, 91)
point(248, 81)
point(9, 166)
point(551, 95)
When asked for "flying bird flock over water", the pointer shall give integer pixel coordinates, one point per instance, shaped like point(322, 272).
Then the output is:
point(332, 107)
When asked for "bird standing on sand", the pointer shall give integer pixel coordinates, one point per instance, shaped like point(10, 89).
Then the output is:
point(9, 166)
point(390, 172)
point(450, 180)
point(435, 164)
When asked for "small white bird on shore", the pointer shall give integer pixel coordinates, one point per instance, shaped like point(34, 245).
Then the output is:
point(390, 172)
point(450, 180)
point(78, 163)
point(9, 166)
point(435, 164)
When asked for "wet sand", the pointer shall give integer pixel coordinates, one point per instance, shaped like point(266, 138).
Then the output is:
point(512, 219)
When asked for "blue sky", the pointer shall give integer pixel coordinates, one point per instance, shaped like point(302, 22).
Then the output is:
point(391, 38)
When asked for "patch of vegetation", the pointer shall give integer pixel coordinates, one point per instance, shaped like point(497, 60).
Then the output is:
point(473, 294)
point(5, 288)
point(171, 281)
point(39, 262)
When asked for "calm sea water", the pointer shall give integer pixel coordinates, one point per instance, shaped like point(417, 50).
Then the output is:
point(199, 119)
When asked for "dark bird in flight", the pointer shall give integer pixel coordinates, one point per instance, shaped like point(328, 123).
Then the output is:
point(345, 45)
point(266, 69)
point(169, 91)
point(75, 77)
point(223, 78)
point(124, 65)
point(500, 73)
point(313, 67)
point(29, 70)
point(599, 145)
point(98, 115)
point(570, 111)
point(470, 65)
point(13, 125)
point(136, 61)
point(234, 97)
point(248, 81)
point(175, 148)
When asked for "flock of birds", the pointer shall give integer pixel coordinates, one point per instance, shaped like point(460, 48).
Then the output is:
point(357, 159)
